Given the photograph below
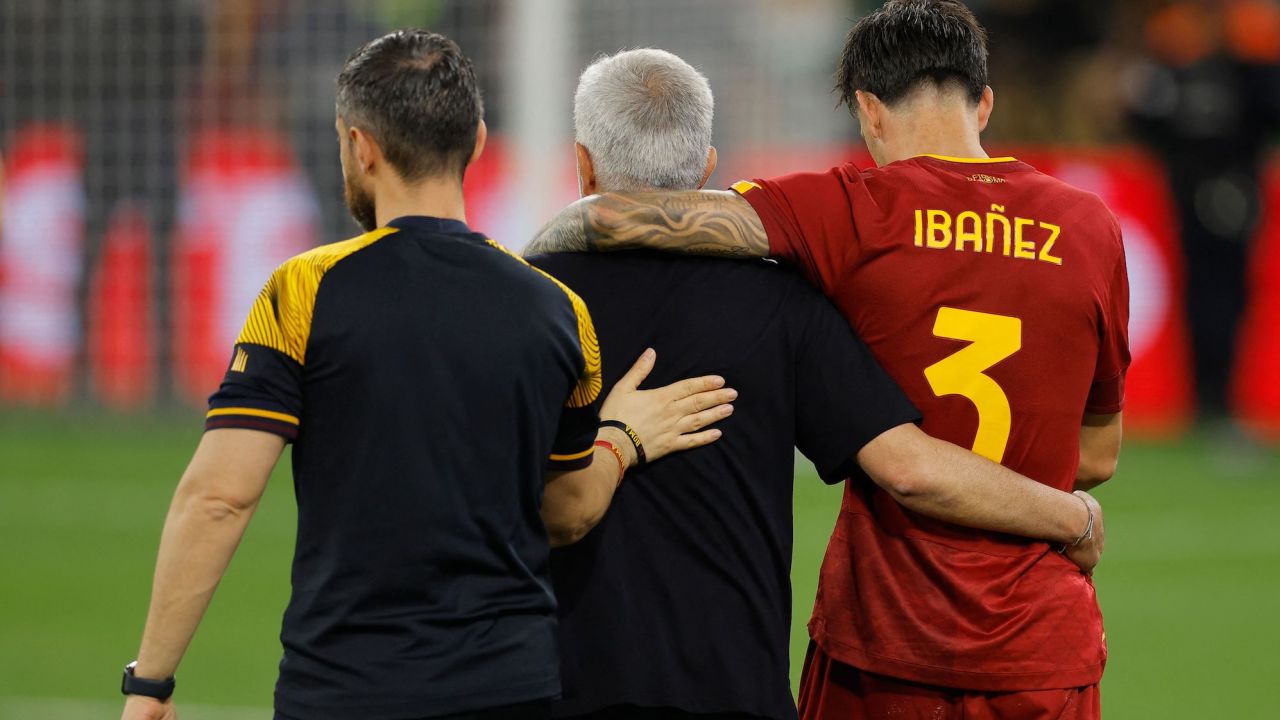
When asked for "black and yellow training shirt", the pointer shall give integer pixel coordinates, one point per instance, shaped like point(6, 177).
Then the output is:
point(428, 379)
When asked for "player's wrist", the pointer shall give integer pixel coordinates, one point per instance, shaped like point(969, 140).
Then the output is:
point(630, 437)
point(617, 438)
point(141, 680)
point(1083, 525)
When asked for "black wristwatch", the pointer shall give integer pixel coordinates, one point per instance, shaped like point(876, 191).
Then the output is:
point(133, 685)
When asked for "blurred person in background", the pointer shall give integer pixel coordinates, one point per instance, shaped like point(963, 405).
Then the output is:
point(1207, 100)
point(998, 298)
point(421, 446)
point(679, 603)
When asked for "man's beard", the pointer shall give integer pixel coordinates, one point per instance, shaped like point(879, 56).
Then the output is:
point(361, 206)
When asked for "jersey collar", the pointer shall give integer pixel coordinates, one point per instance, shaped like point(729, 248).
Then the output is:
point(434, 225)
point(968, 161)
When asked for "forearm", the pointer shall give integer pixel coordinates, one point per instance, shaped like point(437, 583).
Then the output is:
point(200, 535)
point(967, 489)
point(695, 222)
point(946, 482)
point(575, 502)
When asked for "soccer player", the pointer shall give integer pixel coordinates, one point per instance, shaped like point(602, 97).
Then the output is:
point(997, 298)
point(427, 379)
point(678, 603)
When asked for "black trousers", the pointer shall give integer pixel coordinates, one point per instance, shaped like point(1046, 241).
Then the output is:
point(536, 710)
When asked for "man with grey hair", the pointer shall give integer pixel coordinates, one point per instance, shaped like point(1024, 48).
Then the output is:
point(646, 117)
point(678, 604)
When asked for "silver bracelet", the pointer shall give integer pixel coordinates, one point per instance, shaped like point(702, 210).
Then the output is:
point(1088, 529)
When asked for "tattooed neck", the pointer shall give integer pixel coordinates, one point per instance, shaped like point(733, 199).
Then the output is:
point(694, 222)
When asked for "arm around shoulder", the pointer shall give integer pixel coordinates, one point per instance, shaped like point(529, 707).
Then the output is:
point(698, 222)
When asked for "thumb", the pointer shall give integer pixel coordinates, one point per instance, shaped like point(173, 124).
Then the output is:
point(639, 371)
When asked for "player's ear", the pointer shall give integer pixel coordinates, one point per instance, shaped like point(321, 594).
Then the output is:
point(711, 167)
point(986, 105)
point(364, 149)
point(587, 184)
point(870, 113)
point(482, 136)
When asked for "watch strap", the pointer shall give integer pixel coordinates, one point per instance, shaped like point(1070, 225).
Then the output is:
point(134, 685)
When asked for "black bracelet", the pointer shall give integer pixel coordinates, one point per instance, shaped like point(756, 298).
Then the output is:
point(631, 434)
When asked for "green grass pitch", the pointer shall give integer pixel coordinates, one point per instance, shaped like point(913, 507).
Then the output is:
point(1190, 586)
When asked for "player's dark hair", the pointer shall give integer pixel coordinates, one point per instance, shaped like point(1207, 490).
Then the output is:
point(415, 93)
point(907, 43)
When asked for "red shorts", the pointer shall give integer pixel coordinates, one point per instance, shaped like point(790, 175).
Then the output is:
point(831, 690)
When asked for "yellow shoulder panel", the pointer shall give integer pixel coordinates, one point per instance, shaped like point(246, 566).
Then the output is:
point(281, 316)
point(592, 378)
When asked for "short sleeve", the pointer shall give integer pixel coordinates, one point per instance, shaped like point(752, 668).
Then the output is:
point(1106, 396)
point(579, 420)
point(808, 218)
point(575, 439)
point(576, 432)
point(262, 388)
point(844, 399)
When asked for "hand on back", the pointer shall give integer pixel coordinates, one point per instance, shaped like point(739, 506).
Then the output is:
point(672, 418)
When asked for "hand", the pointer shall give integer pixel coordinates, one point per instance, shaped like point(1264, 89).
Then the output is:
point(141, 707)
point(667, 419)
point(1087, 554)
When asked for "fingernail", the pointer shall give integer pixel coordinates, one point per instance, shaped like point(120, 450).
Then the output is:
point(715, 434)
point(649, 353)
point(717, 380)
point(733, 394)
point(727, 410)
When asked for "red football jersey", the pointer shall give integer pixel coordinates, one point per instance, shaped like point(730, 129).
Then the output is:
point(997, 297)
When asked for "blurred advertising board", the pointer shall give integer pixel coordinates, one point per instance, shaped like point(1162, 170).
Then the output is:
point(243, 208)
point(42, 248)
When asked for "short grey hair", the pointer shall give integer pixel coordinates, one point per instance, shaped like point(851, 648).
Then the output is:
point(645, 116)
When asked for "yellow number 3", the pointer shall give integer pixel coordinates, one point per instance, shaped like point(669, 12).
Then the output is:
point(993, 338)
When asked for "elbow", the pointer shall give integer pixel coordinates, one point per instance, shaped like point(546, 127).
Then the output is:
point(568, 533)
point(1095, 471)
point(210, 505)
point(567, 523)
point(908, 482)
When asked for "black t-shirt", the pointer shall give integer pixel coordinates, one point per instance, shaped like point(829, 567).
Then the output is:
point(681, 596)
point(428, 379)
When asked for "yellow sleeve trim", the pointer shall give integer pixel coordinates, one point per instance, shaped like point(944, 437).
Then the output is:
point(969, 161)
point(281, 316)
point(253, 412)
point(592, 379)
point(742, 186)
point(575, 456)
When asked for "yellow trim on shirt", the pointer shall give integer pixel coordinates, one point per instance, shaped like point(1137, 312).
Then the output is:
point(253, 412)
point(742, 186)
point(281, 316)
point(575, 456)
point(592, 379)
point(969, 161)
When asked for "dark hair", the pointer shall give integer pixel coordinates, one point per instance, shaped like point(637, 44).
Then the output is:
point(906, 43)
point(415, 93)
